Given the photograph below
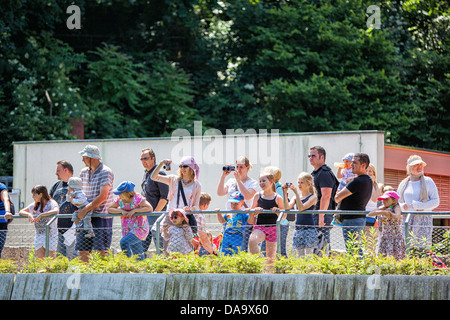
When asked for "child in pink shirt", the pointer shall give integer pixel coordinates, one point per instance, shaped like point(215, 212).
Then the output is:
point(134, 228)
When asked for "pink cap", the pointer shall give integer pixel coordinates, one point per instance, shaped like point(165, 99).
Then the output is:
point(389, 194)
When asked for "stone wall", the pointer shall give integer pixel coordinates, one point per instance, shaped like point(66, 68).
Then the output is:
point(75, 286)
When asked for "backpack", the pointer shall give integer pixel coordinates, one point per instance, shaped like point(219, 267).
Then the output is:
point(335, 186)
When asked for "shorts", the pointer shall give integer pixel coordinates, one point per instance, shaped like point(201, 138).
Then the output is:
point(39, 240)
point(103, 236)
point(269, 231)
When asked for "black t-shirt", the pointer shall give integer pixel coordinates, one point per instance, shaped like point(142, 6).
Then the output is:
point(325, 178)
point(361, 189)
point(154, 191)
point(58, 192)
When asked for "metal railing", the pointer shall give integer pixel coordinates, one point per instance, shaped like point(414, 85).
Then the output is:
point(407, 216)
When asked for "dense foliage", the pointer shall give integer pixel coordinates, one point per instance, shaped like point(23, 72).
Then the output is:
point(240, 263)
point(144, 68)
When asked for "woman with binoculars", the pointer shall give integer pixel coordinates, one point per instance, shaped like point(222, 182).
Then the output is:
point(241, 182)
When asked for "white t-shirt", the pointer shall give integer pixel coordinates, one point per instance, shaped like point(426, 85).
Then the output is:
point(248, 184)
point(187, 192)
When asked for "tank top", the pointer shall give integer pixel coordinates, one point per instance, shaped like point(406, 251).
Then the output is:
point(267, 218)
point(304, 219)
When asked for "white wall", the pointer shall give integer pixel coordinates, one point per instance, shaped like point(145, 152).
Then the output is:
point(35, 162)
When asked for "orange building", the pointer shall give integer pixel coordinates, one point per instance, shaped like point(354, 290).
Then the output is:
point(437, 168)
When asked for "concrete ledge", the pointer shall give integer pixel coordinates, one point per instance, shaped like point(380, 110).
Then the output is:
point(6, 285)
point(221, 287)
point(83, 286)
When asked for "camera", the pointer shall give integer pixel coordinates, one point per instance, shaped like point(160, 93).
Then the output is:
point(288, 184)
point(229, 168)
point(167, 167)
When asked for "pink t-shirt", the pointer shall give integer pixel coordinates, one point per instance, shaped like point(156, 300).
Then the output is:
point(137, 225)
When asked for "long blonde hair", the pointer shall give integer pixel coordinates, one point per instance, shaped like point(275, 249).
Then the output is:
point(305, 176)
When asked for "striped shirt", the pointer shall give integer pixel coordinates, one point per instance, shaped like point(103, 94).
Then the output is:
point(92, 182)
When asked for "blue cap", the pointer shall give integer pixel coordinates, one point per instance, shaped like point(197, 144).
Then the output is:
point(126, 186)
point(236, 197)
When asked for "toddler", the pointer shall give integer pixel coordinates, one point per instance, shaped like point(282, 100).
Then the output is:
point(134, 228)
point(345, 173)
point(391, 239)
point(178, 234)
point(76, 196)
point(233, 236)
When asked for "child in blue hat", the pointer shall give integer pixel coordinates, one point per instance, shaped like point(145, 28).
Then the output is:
point(134, 228)
point(233, 235)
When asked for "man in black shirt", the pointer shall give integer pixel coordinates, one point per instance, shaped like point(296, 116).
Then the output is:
point(58, 192)
point(354, 197)
point(326, 185)
point(155, 192)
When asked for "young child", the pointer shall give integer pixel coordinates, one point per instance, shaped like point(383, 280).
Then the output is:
point(233, 236)
point(40, 212)
point(203, 240)
point(201, 250)
point(345, 173)
point(305, 238)
point(179, 234)
point(134, 228)
point(265, 227)
point(391, 239)
point(76, 196)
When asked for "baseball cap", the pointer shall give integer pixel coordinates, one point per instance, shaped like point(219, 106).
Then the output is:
point(236, 197)
point(125, 186)
point(389, 194)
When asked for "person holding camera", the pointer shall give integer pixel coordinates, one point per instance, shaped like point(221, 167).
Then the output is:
point(6, 211)
point(242, 183)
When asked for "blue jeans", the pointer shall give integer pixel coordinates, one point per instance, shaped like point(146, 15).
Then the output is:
point(132, 245)
point(355, 226)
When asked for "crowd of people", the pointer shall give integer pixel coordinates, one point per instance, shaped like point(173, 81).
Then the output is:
point(253, 208)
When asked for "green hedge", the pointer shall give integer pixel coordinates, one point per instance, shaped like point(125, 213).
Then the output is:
point(240, 263)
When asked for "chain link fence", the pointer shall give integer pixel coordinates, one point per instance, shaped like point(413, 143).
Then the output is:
point(210, 236)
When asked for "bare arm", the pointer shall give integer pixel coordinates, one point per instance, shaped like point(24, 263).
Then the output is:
point(157, 177)
point(103, 195)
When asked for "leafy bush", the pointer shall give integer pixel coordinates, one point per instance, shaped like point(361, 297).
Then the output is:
point(336, 263)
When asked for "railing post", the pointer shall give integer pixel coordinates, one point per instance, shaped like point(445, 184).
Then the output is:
point(280, 217)
point(407, 220)
point(158, 230)
point(47, 235)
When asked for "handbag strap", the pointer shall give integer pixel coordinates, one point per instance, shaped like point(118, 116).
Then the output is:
point(181, 190)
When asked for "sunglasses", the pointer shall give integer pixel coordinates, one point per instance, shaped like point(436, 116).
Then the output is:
point(183, 166)
point(173, 217)
point(311, 155)
point(145, 159)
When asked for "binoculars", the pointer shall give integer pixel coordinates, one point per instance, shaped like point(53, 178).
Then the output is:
point(229, 168)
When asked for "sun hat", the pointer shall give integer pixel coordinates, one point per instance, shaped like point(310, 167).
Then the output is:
point(236, 197)
point(125, 186)
point(389, 194)
point(75, 183)
point(415, 159)
point(90, 151)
